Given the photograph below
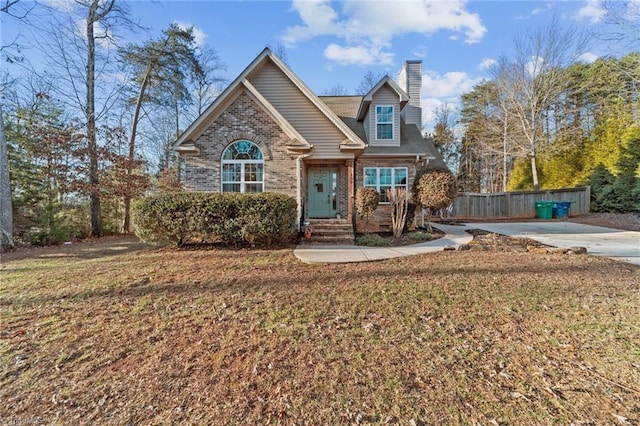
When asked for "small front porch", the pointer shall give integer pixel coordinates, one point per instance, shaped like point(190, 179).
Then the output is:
point(334, 231)
point(327, 202)
point(328, 190)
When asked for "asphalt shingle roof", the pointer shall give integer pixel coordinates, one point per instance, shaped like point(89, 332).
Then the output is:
point(411, 141)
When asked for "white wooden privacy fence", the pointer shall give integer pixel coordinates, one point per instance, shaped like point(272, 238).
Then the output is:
point(517, 204)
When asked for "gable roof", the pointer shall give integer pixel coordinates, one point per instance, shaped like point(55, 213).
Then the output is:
point(403, 98)
point(352, 140)
point(346, 107)
point(412, 142)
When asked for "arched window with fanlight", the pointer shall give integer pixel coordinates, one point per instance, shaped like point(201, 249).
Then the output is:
point(242, 167)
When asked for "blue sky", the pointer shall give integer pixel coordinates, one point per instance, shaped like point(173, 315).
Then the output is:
point(329, 43)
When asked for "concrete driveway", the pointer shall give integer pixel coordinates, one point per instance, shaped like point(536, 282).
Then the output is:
point(599, 241)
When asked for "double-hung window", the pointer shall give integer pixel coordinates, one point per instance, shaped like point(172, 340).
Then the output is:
point(242, 168)
point(384, 122)
point(383, 178)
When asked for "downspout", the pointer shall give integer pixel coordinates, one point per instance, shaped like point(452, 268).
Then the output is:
point(299, 159)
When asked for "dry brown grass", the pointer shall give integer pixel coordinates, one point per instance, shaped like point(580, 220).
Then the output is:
point(123, 334)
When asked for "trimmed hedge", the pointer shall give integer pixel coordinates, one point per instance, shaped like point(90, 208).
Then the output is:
point(231, 218)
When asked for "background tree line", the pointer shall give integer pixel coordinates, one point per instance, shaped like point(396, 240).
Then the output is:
point(94, 131)
point(548, 119)
point(588, 134)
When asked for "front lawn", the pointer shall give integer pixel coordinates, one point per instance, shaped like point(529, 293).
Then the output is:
point(131, 335)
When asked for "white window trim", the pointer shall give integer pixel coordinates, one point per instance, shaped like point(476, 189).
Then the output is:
point(393, 178)
point(393, 127)
point(242, 163)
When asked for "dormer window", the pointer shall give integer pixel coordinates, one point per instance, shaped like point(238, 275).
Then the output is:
point(384, 122)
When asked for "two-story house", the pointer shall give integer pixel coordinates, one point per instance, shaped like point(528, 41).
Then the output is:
point(267, 131)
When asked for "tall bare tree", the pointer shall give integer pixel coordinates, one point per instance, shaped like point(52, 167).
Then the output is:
point(621, 23)
point(443, 135)
point(369, 80)
point(6, 211)
point(96, 12)
point(533, 79)
point(17, 11)
point(209, 84)
point(160, 66)
point(335, 90)
point(77, 59)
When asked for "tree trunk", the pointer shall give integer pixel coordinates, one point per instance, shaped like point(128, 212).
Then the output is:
point(94, 181)
point(534, 173)
point(6, 211)
point(132, 150)
point(504, 152)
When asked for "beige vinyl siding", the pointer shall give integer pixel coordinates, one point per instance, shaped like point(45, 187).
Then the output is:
point(413, 112)
point(367, 126)
point(384, 96)
point(413, 115)
point(298, 110)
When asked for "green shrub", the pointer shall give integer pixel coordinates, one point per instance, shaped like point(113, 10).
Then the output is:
point(621, 193)
point(68, 223)
point(47, 237)
point(600, 181)
point(420, 236)
point(372, 240)
point(230, 218)
point(75, 220)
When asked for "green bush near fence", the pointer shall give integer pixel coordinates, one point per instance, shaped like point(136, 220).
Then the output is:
point(229, 218)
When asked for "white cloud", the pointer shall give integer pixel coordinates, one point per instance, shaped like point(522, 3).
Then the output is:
point(65, 6)
point(429, 108)
point(633, 10)
point(592, 10)
point(538, 10)
point(420, 52)
point(103, 36)
point(357, 55)
point(318, 17)
point(443, 89)
point(384, 20)
point(487, 63)
point(198, 35)
point(588, 57)
point(371, 25)
point(535, 65)
point(447, 86)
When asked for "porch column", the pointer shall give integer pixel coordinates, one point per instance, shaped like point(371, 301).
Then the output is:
point(351, 188)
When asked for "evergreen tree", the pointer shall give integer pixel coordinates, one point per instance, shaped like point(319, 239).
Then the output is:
point(161, 69)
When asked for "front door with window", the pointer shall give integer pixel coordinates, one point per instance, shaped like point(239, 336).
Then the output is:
point(322, 190)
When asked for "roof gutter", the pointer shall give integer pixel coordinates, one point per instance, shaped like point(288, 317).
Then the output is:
point(398, 155)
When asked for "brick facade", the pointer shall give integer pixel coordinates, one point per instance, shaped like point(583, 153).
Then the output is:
point(381, 219)
point(243, 119)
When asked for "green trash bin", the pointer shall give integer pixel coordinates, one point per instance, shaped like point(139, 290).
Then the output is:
point(544, 209)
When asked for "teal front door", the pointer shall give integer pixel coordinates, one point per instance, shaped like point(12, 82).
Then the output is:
point(322, 190)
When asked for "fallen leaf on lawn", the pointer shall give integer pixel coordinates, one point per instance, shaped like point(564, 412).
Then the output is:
point(621, 419)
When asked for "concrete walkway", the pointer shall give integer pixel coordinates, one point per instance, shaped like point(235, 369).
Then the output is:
point(599, 241)
point(455, 236)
